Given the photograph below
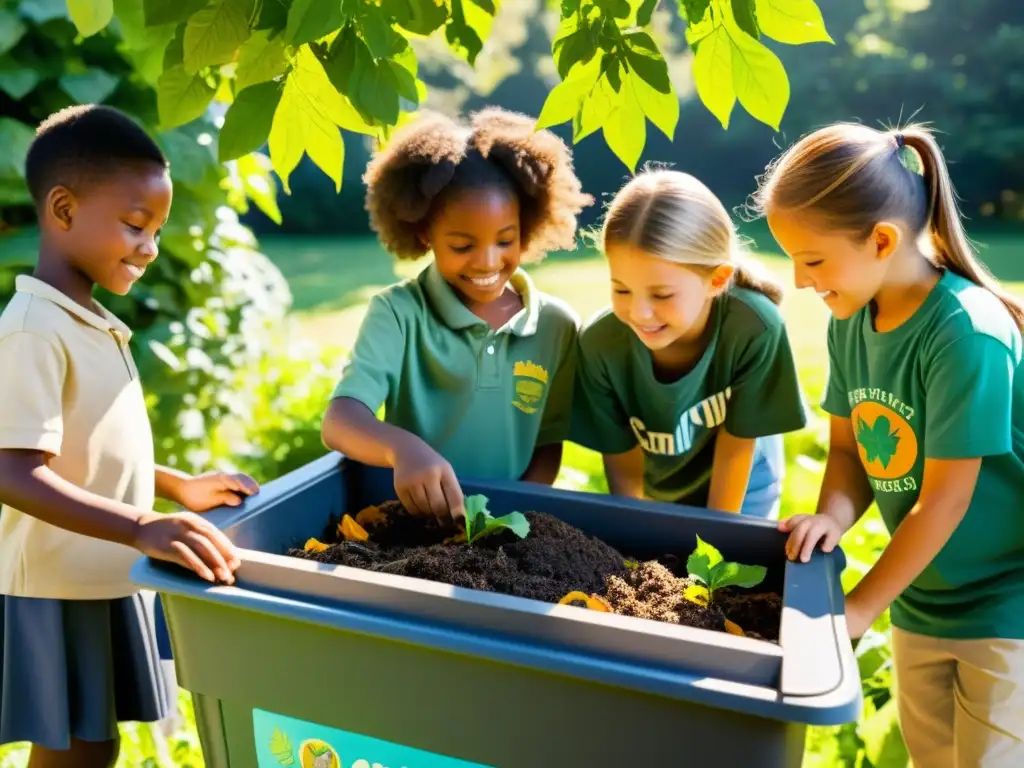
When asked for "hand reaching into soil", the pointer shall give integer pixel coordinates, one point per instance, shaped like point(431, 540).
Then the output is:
point(425, 482)
point(806, 531)
point(190, 541)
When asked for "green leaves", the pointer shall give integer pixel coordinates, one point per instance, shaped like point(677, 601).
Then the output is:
point(879, 440)
point(214, 34)
point(248, 121)
point(260, 59)
point(181, 97)
point(307, 120)
point(421, 17)
point(480, 522)
point(15, 138)
point(707, 566)
point(169, 11)
point(90, 16)
point(12, 29)
point(90, 87)
point(732, 64)
point(469, 27)
point(613, 76)
point(792, 21)
point(312, 19)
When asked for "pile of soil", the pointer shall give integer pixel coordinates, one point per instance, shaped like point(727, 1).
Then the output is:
point(552, 561)
point(652, 591)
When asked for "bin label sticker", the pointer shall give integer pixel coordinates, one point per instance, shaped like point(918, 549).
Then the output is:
point(285, 741)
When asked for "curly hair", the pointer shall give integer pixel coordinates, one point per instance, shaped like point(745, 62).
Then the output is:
point(434, 158)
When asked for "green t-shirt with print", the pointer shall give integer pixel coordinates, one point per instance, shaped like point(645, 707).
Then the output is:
point(745, 381)
point(484, 399)
point(944, 385)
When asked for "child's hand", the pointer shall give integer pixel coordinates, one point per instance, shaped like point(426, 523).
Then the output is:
point(426, 483)
point(190, 541)
point(205, 492)
point(806, 531)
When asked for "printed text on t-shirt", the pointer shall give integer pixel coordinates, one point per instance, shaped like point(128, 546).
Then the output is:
point(707, 414)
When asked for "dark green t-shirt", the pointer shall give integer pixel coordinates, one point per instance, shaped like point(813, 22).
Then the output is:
point(944, 385)
point(745, 381)
point(482, 398)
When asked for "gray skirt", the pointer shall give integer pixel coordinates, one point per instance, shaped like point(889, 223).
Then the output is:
point(74, 669)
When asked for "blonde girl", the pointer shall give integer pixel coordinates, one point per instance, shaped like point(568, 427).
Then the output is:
point(686, 383)
point(927, 412)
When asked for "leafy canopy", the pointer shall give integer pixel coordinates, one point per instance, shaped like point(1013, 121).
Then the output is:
point(707, 566)
point(297, 71)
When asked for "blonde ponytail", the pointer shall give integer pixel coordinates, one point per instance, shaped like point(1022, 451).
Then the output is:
point(751, 275)
point(952, 248)
point(673, 216)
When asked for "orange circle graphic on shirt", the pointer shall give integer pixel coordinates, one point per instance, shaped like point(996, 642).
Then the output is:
point(886, 442)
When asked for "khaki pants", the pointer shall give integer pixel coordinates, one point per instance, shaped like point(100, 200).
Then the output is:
point(961, 702)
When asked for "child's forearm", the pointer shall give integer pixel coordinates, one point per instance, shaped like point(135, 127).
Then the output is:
point(946, 494)
point(545, 464)
point(30, 486)
point(845, 492)
point(169, 482)
point(730, 473)
point(350, 428)
point(625, 473)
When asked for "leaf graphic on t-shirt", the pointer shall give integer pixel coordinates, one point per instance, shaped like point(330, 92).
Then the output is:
point(878, 440)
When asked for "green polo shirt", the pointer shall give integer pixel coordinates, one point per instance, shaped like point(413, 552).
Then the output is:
point(745, 381)
point(946, 384)
point(484, 399)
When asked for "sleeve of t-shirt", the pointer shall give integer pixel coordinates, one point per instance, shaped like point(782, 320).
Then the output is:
point(836, 400)
point(766, 398)
point(557, 418)
point(969, 399)
point(31, 408)
point(372, 370)
point(599, 421)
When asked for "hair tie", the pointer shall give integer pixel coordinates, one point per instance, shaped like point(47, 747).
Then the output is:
point(899, 140)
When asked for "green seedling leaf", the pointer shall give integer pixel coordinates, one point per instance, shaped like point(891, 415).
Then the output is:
point(707, 565)
point(736, 575)
point(480, 522)
point(702, 560)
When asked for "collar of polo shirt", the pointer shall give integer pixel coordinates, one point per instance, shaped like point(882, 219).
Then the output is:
point(105, 322)
point(457, 315)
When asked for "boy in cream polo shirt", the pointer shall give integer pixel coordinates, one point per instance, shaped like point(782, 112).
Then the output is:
point(77, 476)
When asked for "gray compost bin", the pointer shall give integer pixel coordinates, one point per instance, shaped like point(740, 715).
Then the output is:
point(308, 665)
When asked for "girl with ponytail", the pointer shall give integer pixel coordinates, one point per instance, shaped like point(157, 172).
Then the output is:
point(687, 382)
point(926, 399)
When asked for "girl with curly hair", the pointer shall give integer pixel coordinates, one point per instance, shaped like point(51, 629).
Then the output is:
point(473, 365)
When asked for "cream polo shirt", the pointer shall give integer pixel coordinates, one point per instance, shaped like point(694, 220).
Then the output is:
point(70, 388)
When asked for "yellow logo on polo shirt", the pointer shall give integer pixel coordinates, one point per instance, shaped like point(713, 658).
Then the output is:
point(531, 381)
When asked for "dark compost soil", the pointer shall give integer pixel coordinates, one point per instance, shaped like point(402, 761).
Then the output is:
point(553, 560)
